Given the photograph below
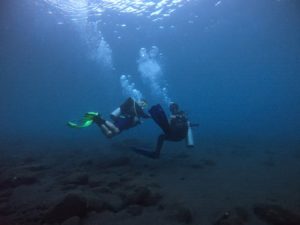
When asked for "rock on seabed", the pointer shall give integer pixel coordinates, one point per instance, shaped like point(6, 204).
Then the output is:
point(275, 215)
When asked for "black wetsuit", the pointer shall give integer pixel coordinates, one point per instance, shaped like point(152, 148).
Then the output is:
point(178, 128)
point(130, 111)
point(175, 129)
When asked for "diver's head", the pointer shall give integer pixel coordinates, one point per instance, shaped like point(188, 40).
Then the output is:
point(174, 107)
point(142, 103)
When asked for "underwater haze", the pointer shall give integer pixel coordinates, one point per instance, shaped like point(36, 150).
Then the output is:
point(232, 65)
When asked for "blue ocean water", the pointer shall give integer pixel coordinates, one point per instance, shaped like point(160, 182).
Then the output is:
point(233, 66)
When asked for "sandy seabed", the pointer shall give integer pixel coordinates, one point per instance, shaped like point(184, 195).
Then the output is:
point(62, 182)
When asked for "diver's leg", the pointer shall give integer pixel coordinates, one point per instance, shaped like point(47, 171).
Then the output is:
point(159, 145)
point(112, 127)
point(148, 153)
point(108, 129)
point(152, 154)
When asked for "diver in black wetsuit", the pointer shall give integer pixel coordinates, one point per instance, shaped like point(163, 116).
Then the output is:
point(177, 129)
point(128, 115)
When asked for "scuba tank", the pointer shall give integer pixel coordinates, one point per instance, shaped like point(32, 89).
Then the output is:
point(189, 136)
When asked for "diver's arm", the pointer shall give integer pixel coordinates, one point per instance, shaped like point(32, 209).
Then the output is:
point(144, 115)
point(140, 112)
point(172, 117)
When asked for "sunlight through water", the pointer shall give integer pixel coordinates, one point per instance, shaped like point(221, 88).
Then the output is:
point(81, 9)
point(86, 15)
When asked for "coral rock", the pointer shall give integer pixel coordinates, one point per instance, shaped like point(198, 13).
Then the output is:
point(275, 215)
point(143, 196)
point(71, 205)
point(75, 220)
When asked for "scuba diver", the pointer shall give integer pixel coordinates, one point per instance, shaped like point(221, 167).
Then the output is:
point(177, 129)
point(126, 116)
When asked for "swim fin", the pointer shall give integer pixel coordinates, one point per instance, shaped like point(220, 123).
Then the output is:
point(85, 122)
point(159, 116)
